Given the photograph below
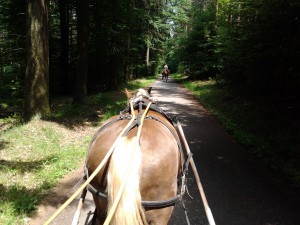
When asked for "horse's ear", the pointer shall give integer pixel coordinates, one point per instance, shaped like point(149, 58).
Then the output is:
point(149, 90)
point(128, 94)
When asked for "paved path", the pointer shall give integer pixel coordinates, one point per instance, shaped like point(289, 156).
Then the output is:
point(239, 191)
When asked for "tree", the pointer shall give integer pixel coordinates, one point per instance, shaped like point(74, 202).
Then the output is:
point(64, 45)
point(82, 12)
point(36, 98)
point(119, 31)
point(12, 49)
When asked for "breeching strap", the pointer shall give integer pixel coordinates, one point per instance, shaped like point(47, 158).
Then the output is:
point(202, 194)
point(91, 177)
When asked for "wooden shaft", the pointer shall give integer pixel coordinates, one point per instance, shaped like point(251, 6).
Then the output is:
point(79, 207)
point(201, 190)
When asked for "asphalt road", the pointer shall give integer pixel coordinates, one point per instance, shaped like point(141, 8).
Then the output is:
point(239, 191)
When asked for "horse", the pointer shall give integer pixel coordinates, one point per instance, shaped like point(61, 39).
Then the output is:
point(139, 183)
point(165, 74)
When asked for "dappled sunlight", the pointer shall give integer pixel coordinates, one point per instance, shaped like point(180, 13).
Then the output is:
point(34, 158)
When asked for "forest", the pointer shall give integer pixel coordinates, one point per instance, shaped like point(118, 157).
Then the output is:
point(75, 48)
point(72, 48)
point(53, 48)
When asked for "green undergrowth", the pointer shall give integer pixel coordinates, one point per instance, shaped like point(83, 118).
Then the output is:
point(34, 156)
point(101, 105)
point(269, 131)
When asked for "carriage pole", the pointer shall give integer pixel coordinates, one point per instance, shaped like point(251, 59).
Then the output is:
point(201, 190)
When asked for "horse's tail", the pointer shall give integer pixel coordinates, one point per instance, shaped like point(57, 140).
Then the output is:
point(125, 167)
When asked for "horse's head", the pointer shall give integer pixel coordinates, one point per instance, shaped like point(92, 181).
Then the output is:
point(143, 92)
point(139, 94)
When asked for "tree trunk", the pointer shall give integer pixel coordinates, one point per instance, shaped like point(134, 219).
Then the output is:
point(64, 43)
point(147, 56)
point(148, 59)
point(127, 61)
point(217, 11)
point(116, 67)
point(1, 65)
point(82, 10)
point(36, 98)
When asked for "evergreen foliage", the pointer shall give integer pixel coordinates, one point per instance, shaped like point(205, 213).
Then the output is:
point(120, 35)
point(252, 45)
point(252, 50)
point(12, 48)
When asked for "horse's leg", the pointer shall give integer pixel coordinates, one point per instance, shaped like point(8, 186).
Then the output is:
point(94, 219)
point(100, 211)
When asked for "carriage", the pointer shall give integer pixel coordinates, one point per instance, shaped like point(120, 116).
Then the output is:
point(126, 166)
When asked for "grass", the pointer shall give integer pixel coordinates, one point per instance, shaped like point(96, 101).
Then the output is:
point(269, 131)
point(35, 156)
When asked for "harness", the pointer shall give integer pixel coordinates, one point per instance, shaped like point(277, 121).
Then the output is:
point(140, 104)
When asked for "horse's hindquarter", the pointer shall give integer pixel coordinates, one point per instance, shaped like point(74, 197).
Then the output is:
point(159, 168)
point(99, 147)
point(160, 162)
point(101, 143)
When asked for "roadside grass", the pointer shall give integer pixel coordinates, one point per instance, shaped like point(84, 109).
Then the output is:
point(270, 133)
point(36, 155)
point(34, 158)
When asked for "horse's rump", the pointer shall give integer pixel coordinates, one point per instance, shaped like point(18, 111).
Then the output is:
point(158, 170)
point(165, 72)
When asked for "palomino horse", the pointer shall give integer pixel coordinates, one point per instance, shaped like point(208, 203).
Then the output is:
point(165, 74)
point(143, 170)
